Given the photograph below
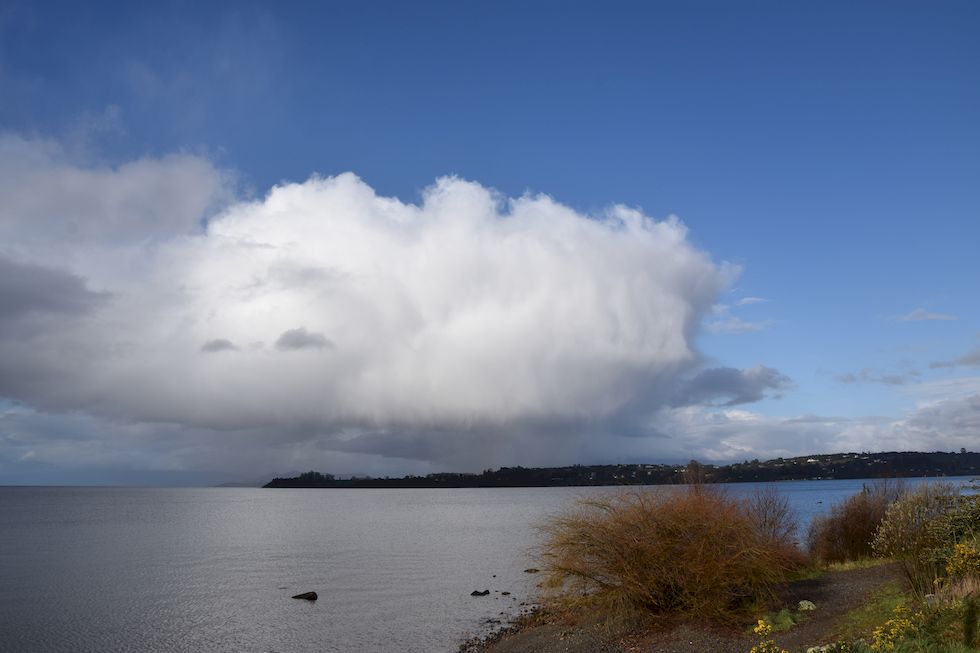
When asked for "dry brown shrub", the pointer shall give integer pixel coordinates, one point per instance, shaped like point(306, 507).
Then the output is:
point(641, 553)
point(958, 589)
point(769, 509)
point(847, 531)
point(773, 517)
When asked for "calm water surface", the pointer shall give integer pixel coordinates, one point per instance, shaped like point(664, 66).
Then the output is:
point(195, 569)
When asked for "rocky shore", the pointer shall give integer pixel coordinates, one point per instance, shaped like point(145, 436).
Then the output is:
point(834, 594)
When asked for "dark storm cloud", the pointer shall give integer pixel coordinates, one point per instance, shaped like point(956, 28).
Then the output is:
point(34, 300)
point(28, 289)
point(728, 386)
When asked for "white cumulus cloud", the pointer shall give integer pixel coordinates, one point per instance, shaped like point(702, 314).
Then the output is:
point(449, 329)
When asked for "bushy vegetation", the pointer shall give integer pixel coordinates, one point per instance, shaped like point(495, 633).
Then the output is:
point(695, 552)
point(932, 630)
point(934, 533)
point(706, 555)
point(922, 530)
point(901, 630)
point(847, 530)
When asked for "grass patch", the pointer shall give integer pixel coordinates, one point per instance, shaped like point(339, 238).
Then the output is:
point(863, 563)
point(925, 645)
point(811, 571)
point(916, 645)
point(784, 619)
point(858, 623)
point(815, 569)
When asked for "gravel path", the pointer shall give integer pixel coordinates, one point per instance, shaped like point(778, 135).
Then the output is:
point(835, 594)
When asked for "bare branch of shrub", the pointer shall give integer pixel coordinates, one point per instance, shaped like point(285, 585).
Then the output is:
point(657, 552)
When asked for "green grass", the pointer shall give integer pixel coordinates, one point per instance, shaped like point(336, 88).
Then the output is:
point(939, 633)
point(784, 619)
point(859, 623)
point(926, 645)
point(817, 569)
point(809, 572)
point(863, 563)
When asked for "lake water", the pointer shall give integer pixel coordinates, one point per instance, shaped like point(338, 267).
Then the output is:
point(213, 569)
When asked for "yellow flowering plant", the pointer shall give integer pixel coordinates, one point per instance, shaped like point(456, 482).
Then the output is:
point(766, 644)
point(903, 625)
point(964, 561)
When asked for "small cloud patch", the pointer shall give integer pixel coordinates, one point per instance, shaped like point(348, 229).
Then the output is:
point(969, 359)
point(218, 344)
point(922, 315)
point(734, 324)
point(868, 376)
point(300, 338)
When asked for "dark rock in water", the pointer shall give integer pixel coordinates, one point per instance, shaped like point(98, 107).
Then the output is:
point(531, 570)
point(505, 594)
point(479, 593)
point(309, 596)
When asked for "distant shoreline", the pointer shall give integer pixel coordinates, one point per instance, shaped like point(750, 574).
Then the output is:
point(845, 466)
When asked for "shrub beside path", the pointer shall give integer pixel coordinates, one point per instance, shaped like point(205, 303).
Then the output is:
point(835, 594)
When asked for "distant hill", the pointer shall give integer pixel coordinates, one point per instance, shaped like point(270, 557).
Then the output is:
point(893, 464)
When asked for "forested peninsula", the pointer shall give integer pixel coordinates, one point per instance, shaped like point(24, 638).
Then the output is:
point(893, 464)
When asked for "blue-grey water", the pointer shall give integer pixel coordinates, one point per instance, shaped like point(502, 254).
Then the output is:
point(213, 569)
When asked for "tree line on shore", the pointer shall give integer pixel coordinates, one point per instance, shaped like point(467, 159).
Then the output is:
point(822, 466)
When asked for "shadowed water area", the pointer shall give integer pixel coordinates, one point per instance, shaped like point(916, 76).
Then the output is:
point(120, 569)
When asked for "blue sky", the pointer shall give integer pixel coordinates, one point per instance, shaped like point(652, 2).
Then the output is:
point(831, 150)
